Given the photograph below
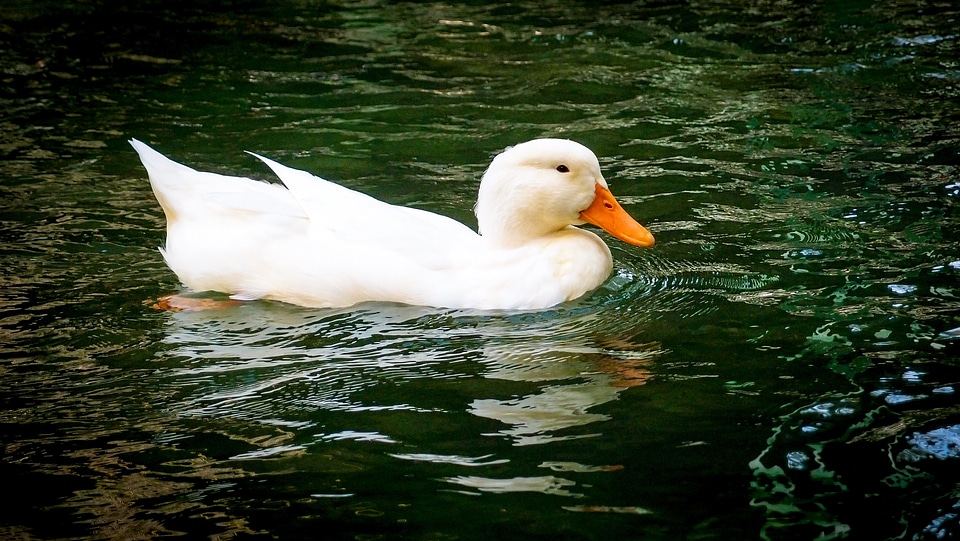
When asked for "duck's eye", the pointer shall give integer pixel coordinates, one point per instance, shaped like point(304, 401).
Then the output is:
point(563, 168)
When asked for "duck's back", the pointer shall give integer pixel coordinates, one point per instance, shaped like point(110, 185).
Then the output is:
point(310, 242)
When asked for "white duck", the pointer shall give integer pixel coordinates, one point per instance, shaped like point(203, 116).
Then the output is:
point(314, 243)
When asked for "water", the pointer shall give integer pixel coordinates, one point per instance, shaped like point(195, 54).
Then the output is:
point(783, 365)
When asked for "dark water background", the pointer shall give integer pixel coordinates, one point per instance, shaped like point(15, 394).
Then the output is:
point(783, 365)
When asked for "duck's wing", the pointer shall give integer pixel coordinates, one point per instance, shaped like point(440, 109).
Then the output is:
point(359, 218)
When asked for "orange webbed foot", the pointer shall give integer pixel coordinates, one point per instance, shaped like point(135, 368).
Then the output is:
point(180, 303)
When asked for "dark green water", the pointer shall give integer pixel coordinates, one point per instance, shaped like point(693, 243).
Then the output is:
point(783, 365)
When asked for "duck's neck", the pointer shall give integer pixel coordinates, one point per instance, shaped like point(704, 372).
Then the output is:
point(513, 233)
point(511, 211)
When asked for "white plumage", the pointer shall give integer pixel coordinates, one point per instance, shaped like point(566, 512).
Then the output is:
point(314, 243)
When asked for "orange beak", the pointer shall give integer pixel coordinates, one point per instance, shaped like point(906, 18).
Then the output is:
point(608, 215)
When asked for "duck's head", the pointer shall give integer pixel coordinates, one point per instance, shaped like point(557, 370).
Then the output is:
point(544, 185)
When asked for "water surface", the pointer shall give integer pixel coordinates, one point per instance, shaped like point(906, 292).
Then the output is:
point(782, 365)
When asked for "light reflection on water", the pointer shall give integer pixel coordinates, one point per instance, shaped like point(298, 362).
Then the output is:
point(786, 353)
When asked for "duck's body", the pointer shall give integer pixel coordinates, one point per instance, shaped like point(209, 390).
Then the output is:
point(315, 243)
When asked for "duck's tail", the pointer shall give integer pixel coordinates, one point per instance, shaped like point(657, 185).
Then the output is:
point(186, 192)
point(167, 177)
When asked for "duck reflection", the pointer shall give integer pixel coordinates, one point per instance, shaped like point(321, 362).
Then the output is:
point(290, 365)
point(583, 377)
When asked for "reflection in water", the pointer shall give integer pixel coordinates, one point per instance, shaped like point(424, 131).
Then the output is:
point(586, 377)
point(258, 361)
point(547, 484)
point(458, 460)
